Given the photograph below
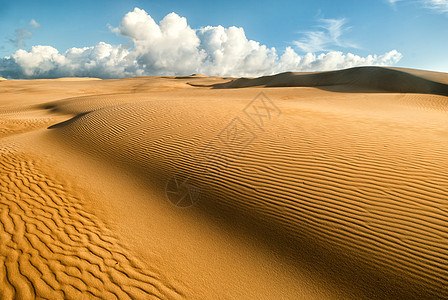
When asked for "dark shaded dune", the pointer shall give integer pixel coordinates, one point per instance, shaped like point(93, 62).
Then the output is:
point(84, 104)
point(430, 75)
point(358, 79)
point(192, 76)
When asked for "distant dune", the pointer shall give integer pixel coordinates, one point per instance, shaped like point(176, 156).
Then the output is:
point(65, 79)
point(328, 185)
point(73, 78)
point(360, 79)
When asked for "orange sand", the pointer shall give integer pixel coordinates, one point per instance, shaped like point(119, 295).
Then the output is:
point(305, 186)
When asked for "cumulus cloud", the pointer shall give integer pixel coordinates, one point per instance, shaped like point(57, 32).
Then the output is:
point(334, 60)
point(328, 35)
point(172, 47)
point(102, 60)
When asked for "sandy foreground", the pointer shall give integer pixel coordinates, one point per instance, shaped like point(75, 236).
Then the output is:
point(295, 186)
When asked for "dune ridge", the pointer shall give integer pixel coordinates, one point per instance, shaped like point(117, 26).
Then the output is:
point(71, 79)
point(339, 190)
point(363, 78)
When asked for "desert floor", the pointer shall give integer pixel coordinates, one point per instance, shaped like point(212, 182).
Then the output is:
point(188, 188)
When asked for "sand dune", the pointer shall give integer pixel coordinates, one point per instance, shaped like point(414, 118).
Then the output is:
point(51, 247)
point(336, 192)
point(72, 79)
point(356, 79)
point(430, 75)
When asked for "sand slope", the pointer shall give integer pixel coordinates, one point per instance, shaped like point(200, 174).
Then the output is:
point(302, 192)
point(51, 247)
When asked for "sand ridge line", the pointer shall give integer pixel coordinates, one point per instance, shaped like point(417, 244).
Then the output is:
point(370, 79)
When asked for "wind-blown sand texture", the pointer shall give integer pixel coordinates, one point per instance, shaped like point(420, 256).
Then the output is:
point(325, 186)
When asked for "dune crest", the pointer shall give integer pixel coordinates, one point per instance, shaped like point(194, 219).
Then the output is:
point(74, 79)
point(357, 79)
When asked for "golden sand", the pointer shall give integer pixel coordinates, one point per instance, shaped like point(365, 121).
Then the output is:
point(302, 186)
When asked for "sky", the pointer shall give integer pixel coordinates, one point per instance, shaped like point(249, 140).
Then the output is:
point(116, 39)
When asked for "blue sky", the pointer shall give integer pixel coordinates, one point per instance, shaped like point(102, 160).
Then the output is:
point(416, 29)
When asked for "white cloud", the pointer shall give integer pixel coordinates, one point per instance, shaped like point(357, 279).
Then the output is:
point(334, 60)
point(440, 6)
point(34, 23)
point(168, 48)
point(102, 60)
point(172, 47)
point(329, 35)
